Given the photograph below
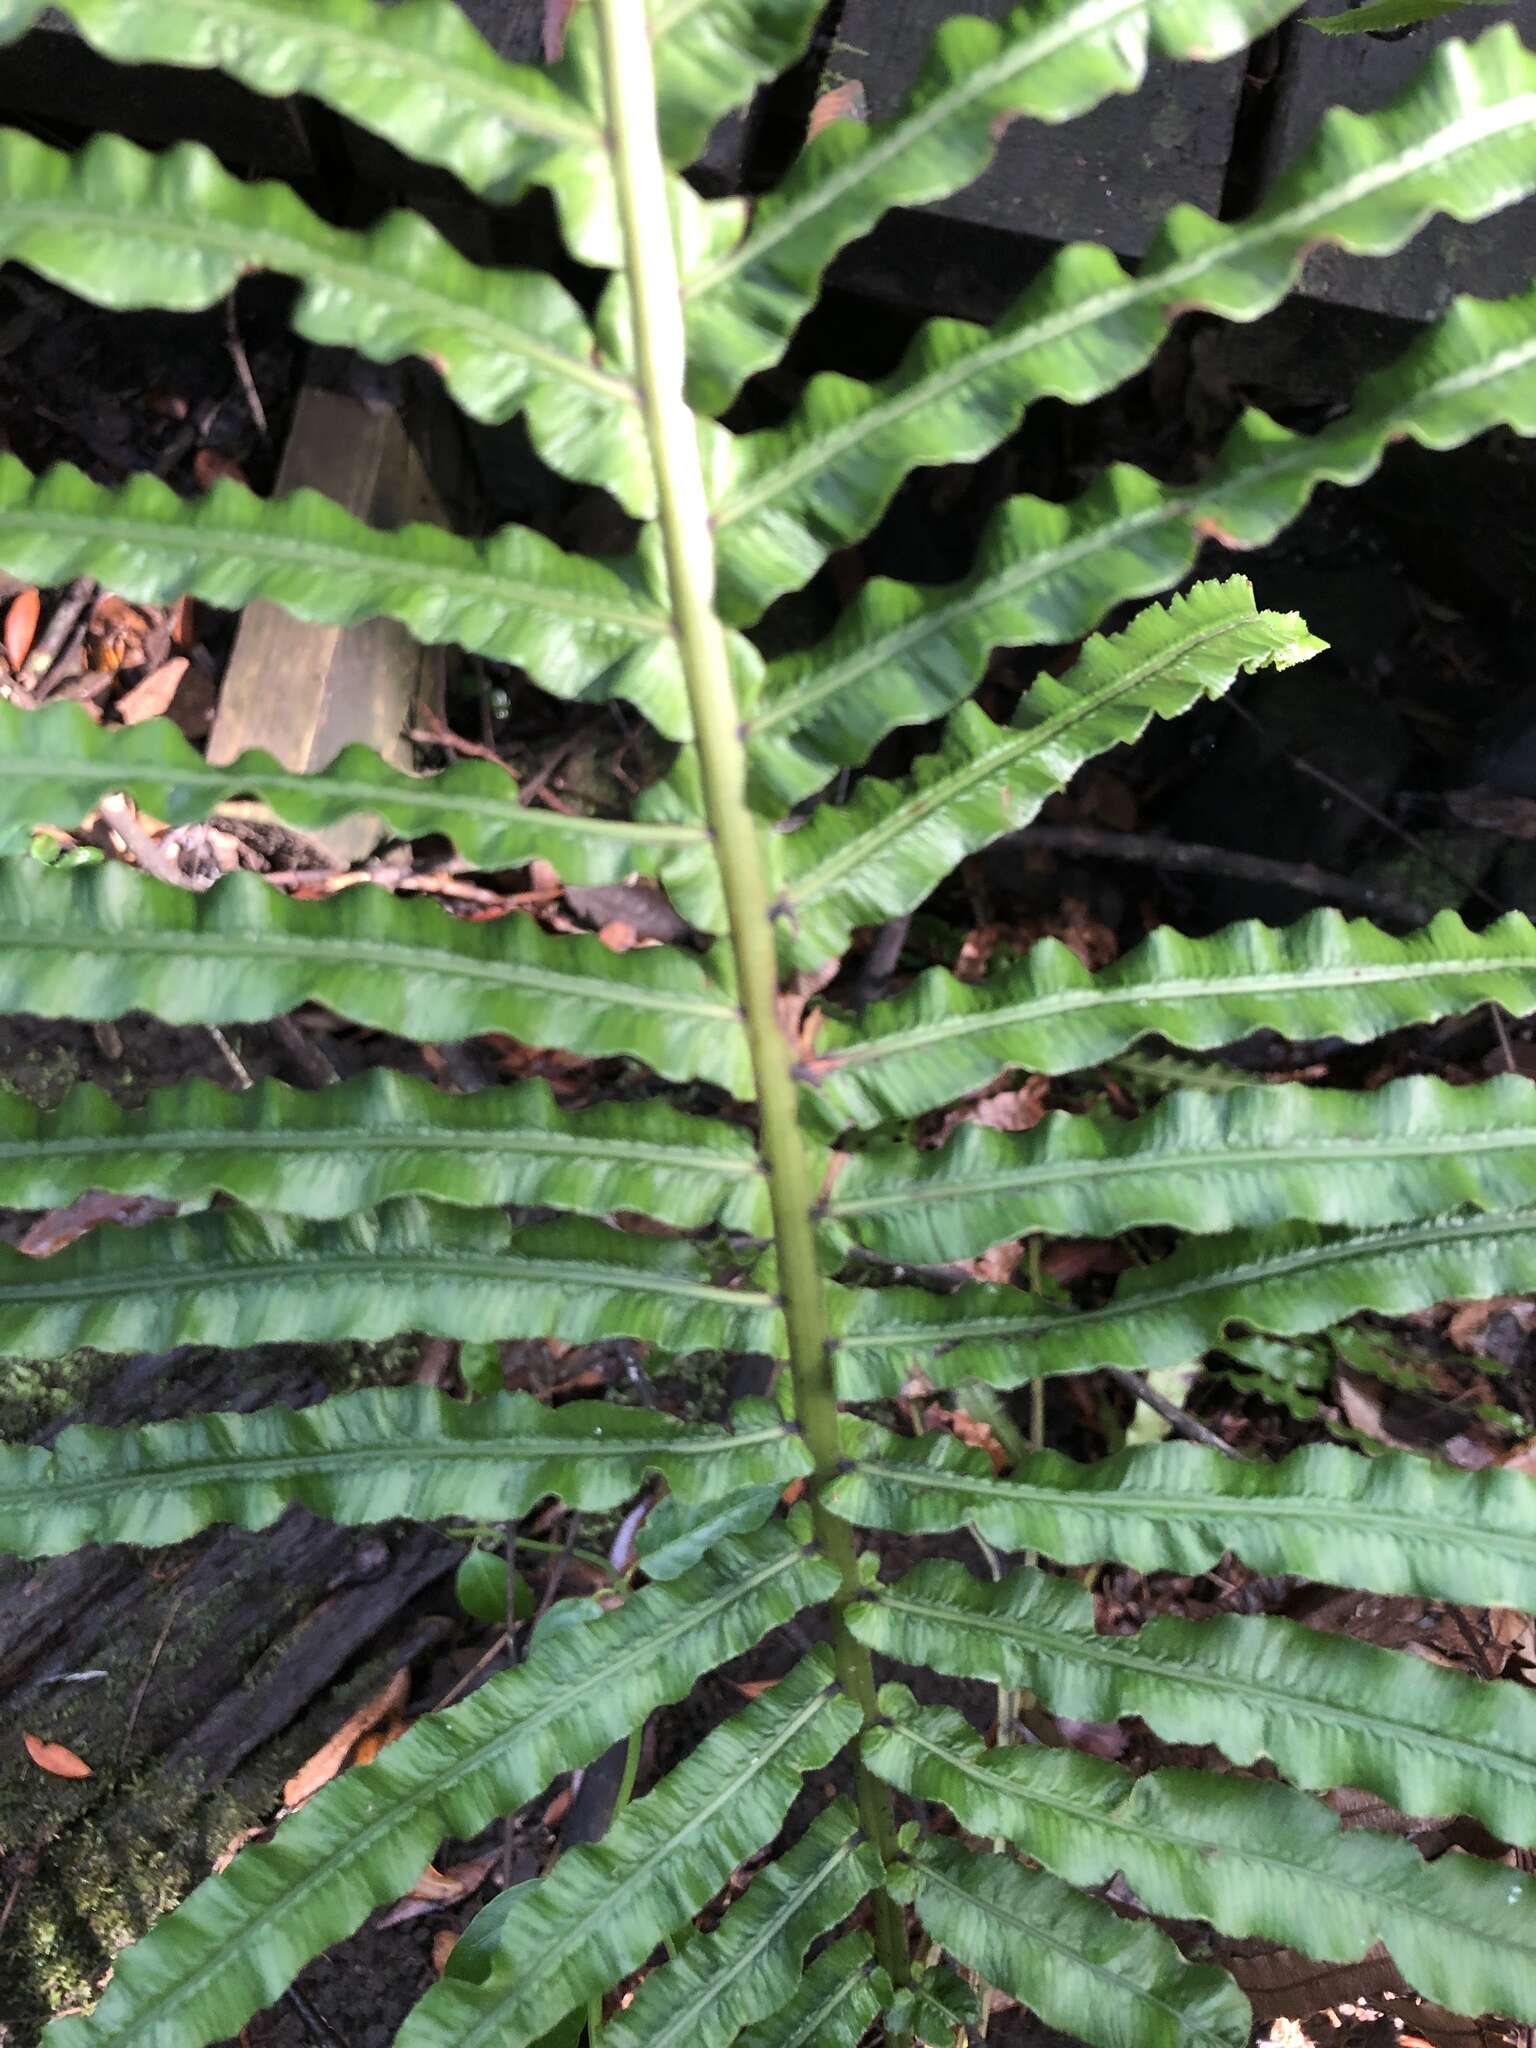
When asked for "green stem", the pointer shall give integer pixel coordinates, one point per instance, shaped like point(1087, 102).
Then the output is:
point(660, 349)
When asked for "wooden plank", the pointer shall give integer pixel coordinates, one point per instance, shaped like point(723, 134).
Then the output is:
point(304, 691)
point(1490, 258)
point(1109, 177)
point(53, 77)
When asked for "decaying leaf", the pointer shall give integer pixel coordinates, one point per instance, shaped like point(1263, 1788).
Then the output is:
point(55, 1759)
point(332, 1755)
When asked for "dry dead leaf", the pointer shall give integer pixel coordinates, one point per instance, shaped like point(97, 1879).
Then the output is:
point(969, 1431)
point(845, 102)
point(1469, 1323)
point(60, 1227)
point(329, 1758)
point(209, 468)
point(444, 1942)
point(152, 697)
point(436, 1888)
point(998, 1265)
point(753, 1688)
point(557, 15)
point(21, 617)
point(558, 1808)
point(1079, 1258)
point(55, 1759)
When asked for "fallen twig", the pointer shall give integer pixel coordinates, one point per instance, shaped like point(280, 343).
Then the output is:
point(1176, 1418)
point(1144, 848)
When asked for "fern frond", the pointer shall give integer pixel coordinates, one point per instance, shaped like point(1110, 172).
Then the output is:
point(1201, 1162)
point(56, 764)
point(126, 228)
point(1071, 1960)
point(326, 1153)
point(364, 1839)
point(1328, 1710)
point(1249, 1856)
point(1462, 139)
point(1325, 975)
point(1394, 1524)
point(1047, 573)
point(1289, 1280)
point(748, 1967)
point(596, 1917)
point(892, 843)
point(228, 1277)
point(1044, 63)
point(370, 1456)
point(839, 1997)
point(576, 625)
point(99, 941)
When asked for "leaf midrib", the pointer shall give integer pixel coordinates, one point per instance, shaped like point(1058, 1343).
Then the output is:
point(257, 245)
point(401, 798)
point(1368, 1149)
point(249, 1467)
point(513, 975)
point(460, 1139)
point(1389, 1240)
point(392, 1258)
point(1299, 980)
point(188, 528)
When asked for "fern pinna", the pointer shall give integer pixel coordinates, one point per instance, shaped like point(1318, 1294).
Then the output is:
point(380, 1205)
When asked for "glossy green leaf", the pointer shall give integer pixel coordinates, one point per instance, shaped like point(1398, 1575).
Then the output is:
point(1325, 975)
point(371, 1456)
point(125, 228)
point(1071, 1960)
point(1045, 63)
point(56, 764)
point(98, 942)
point(1201, 1162)
point(710, 54)
point(1249, 1856)
point(228, 1277)
point(748, 1967)
point(328, 1152)
point(1327, 1709)
point(678, 1532)
point(1292, 1279)
point(839, 1996)
point(364, 1839)
point(596, 1917)
point(576, 625)
point(892, 843)
point(1394, 1524)
point(1047, 573)
point(1461, 139)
